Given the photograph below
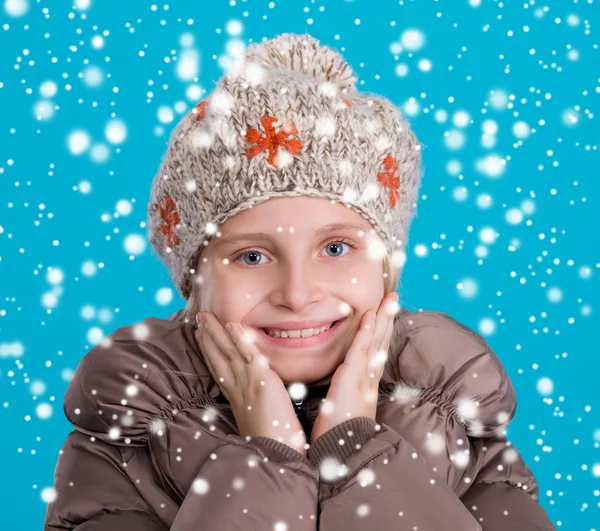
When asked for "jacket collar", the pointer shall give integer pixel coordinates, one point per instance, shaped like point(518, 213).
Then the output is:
point(317, 389)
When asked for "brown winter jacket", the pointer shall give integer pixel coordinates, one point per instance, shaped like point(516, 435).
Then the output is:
point(156, 447)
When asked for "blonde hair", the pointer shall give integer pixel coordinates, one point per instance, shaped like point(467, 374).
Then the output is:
point(391, 280)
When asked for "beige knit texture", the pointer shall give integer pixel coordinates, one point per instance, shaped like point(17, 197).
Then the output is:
point(206, 175)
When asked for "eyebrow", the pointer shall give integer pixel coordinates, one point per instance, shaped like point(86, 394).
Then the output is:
point(263, 236)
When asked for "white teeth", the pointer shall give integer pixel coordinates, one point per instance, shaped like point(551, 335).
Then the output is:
point(298, 333)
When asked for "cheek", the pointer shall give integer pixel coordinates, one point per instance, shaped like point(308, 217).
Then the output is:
point(227, 294)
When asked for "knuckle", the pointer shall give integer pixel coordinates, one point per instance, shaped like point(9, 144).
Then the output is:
point(379, 339)
point(229, 353)
point(234, 340)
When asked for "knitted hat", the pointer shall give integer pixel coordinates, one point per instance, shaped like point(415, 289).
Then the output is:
point(286, 120)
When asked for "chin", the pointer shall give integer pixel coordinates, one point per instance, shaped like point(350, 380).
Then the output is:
point(299, 379)
point(305, 373)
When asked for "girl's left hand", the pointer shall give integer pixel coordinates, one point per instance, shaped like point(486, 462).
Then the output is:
point(354, 388)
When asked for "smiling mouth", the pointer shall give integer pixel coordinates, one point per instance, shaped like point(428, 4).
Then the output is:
point(330, 325)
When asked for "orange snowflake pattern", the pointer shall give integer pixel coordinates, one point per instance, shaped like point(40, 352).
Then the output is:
point(272, 140)
point(201, 110)
point(171, 217)
point(389, 179)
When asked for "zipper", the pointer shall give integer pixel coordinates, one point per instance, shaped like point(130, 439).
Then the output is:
point(302, 417)
point(298, 406)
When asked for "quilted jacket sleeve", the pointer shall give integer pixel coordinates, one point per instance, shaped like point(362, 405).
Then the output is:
point(428, 448)
point(270, 471)
point(89, 478)
point(122, 393)
point(385, 481)
point(94, 492)
point(504, 495)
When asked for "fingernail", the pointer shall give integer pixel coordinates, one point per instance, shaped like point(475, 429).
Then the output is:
point(199, 319)
point(229, 327)
point(372, 316)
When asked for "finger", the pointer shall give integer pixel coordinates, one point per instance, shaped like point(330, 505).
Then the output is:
point(251, 367)
point(357, 355)
point(379, 358)
point(259, 375)
point(218, 366)
point(243, 341)
point(385, 318)
point(225, 347)
point(201, 335)
point(256, 364)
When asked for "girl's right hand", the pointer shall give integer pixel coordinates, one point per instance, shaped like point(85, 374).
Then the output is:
point(259, 400)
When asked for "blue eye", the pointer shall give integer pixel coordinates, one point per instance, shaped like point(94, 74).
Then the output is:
point(336, 242)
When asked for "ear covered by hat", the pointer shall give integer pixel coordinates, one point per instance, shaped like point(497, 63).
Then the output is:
point(286, 120)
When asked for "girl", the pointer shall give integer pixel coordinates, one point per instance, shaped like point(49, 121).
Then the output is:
point(292, 392)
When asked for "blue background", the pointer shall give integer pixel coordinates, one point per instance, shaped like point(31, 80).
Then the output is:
point(538, 296)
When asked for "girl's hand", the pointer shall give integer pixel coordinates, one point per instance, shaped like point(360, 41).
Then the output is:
point(354, 388)
point(259, 400)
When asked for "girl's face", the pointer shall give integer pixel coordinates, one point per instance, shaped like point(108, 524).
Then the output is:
point(294, 272)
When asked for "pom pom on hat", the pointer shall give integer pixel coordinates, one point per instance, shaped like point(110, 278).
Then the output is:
point(304, 54)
